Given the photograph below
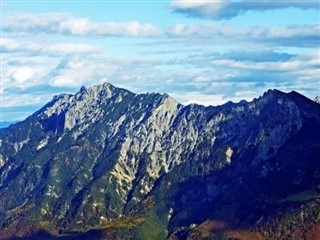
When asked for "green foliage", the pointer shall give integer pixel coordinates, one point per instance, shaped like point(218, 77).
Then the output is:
point(152, 228)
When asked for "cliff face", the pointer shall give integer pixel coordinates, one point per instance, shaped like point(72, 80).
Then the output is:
point(100, 154)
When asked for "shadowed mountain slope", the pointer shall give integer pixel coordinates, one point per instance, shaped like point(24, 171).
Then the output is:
point(114, 164)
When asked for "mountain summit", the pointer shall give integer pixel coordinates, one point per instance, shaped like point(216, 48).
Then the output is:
point(107, 163)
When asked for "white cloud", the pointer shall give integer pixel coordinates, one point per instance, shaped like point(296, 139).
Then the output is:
point(11, 46)
point(21, 100)
point(212, 99)
point(23, 71)
point(226, 9)
point(296, 35)
point(65, 23)
point(67, 48)
point(199, 98)
point(193, 80)
point(196, 34)
point(77, 72)
point(230, 64)
point(23, 74)
point(246, 94)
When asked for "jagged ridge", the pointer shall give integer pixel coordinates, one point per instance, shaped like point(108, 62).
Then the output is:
point(95, 155)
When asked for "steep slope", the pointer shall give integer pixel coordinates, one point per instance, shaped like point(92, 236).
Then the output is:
point(84, 150)
point(106, 155)
point(267, 186)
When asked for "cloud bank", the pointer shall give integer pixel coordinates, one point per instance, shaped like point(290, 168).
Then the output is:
point(226, 9)
point(66, 24)
point(12, 46)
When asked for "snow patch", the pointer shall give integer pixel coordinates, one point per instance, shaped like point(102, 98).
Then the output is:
point(59, 139)
point(119, 99)
point(18, 145)
point(229, 153)
point(43, 143)
point(170, 213)
point(1, 161)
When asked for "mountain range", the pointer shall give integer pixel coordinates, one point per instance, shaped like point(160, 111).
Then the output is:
point(106, 163)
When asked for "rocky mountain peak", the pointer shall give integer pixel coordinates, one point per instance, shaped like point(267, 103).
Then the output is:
point(273, 93)
point(317, 99)
point(91, 104)
point(104, 152)
point(85, 106)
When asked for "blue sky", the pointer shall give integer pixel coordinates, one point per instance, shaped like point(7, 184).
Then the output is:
point(208, 52)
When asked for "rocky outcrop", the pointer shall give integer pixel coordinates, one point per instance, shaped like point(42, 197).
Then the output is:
point(93, 156)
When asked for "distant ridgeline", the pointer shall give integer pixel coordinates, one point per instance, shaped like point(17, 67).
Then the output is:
point(6, 124)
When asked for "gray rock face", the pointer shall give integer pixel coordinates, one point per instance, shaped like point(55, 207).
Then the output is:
point(96, 154)
point(317, 99)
